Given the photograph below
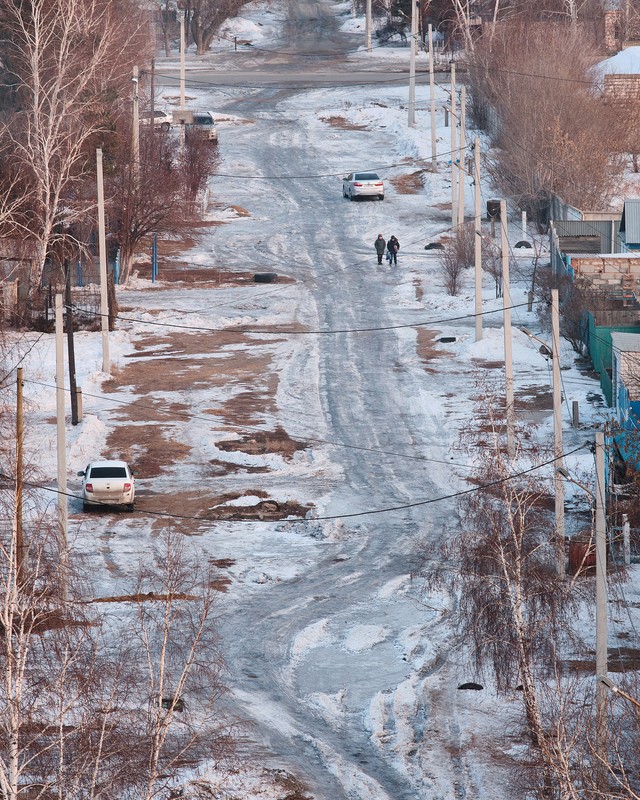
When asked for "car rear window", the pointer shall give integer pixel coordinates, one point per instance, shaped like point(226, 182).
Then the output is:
point(108, 472)
point(202, 120)
point(367, 176)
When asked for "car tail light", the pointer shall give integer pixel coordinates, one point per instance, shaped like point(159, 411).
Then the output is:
point(379, 184)
point(127, 487)
point(357, 184)
point(88, 487)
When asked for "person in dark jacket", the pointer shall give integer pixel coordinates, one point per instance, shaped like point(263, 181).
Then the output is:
point(393, 245)
point(380, 244)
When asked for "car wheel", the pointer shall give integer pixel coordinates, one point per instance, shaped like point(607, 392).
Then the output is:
point(350, 196)
point(86, 506)
point(165, 126)
point(130, 507)
point(380, 197)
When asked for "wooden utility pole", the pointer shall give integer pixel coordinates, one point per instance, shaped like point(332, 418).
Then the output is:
point(462, 152)
point(557, 432)
point(102, 243)
point(432, 102)
point(412, 65)
point(152, 92)
point(367, 26)
point(19, 476)
point(508, 345)
point(73, 386)
point(477, 239)
point(454, 170)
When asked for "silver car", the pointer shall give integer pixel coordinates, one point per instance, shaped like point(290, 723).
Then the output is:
point(107, 483)
point(363, 184)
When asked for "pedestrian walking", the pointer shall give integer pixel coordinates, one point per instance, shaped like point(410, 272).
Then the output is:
point(393, 245)
point(380, 244)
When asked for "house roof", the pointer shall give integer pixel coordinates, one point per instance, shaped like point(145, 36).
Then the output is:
point(630, 222)
point(626, 342)
point(626, 62)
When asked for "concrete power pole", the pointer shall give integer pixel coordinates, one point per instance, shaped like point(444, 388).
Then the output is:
point(602, 734)
point(60, 431)
point(477, 239)
point(367, 27)
point(102, 243)
point(454, 171)
point(432, 101)
point(557, 432)
point(508, 356)
point(462, 153)
point(135, 128)
point(412, 65)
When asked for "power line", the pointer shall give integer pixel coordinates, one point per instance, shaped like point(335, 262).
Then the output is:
point(370, 512)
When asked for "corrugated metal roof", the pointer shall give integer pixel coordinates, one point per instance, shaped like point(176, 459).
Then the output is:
point(630, 222)
point(626, 342)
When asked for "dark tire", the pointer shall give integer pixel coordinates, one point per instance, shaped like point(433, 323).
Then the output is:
point(265, 277)
point(166, 127)
point(380, 197)
point(130, 507)
point(86, 507)
point(350, 197)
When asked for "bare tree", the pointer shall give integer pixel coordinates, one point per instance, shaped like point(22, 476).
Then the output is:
point(70, 60)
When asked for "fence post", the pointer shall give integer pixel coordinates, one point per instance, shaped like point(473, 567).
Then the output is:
point(626, 539)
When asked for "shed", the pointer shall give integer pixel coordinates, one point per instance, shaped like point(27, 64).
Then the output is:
point(630, 224)
point(625, 375)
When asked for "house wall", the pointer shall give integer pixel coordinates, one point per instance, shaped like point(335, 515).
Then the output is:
point(601, 351)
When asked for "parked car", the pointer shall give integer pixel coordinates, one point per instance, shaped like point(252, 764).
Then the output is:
point(363, 184)
point(107, 483)
point(204, 122)
point(161, 119)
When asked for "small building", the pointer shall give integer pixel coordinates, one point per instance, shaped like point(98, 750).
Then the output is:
point(626, 393)
point(630, 225)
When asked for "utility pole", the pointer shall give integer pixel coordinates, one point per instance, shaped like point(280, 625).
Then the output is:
point(508, 356)
point(61, 437)
point(432, 101)
point(461, 151)
point(524, 225)
point(152, 92)
point(181, 15)
point(102, 243)
point(477, 239)
point(367, 26)
point(602, 734)
point(454, 171)
point(135, 128)
point(19, 476)
point(412, 65)
point(557, 432)
point(73, 386)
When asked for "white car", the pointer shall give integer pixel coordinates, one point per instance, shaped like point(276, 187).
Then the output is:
point(107, 483)
point(161, 119)
point(204, 123)
point(363, 184)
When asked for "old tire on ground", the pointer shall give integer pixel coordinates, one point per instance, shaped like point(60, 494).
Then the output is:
point(523, 243)
point(265, 277)
point(166, 126)
point(434, 246)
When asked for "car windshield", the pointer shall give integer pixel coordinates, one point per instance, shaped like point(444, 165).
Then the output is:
point(204, 120)
point(366, 176)
point(108, 472)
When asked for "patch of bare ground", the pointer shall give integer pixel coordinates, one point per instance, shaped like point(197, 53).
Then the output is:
point(344, 124)
point(620, 659)
point(425, 347)
point(291, 786)
point(532, 398)
point(411, 183)
point(419, 290)
point(205, 277)
point(261, 442)
point(206, 508)
point(216, 467)
point(442, 206)
point(145, 597)
point(147, 448)
point(484, 363)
